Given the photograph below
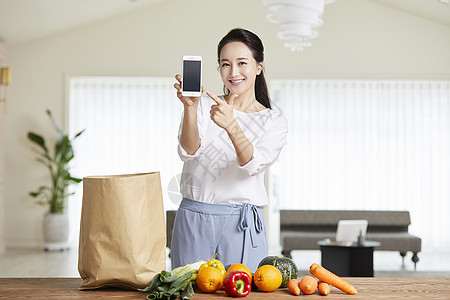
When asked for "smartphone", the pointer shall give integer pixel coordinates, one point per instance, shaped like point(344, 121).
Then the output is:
point(191, 85)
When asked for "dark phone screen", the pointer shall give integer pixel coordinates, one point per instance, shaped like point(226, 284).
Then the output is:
point(191, 75)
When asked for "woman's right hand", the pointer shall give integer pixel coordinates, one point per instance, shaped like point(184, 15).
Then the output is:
point(187, 101)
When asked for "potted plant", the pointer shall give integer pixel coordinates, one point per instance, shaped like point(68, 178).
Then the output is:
point(53, 196)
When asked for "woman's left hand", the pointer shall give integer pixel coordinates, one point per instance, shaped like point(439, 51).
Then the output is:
point(222, 113)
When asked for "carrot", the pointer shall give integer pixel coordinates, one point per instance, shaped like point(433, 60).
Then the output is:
point(326, 276)
point(324, 288)
point(293, 287)
point(308, 285)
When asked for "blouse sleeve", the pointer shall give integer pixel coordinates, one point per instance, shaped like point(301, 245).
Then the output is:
point(181, 152)
point(268, 147)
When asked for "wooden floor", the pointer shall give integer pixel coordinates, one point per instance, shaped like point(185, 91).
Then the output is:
point(38, 263)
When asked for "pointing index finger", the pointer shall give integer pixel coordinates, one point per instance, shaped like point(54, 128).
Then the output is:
point(214, 97)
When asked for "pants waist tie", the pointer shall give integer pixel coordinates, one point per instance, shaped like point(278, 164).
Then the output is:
point(250, 214)
point(250, 219)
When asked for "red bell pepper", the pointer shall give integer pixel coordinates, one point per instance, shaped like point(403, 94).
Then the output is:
point(237, 284)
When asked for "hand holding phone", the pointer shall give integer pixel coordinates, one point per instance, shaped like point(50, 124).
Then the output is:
point(191, 84)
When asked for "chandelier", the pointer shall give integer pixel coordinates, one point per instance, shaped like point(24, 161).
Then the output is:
point(297, 20)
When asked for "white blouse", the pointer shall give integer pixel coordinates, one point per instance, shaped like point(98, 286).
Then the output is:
point(213, 174)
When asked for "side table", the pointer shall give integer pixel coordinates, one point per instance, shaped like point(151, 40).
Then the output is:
point(348, 260)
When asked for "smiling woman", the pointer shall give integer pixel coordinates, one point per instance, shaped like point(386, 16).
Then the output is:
point(241, 53)
point(226, 144)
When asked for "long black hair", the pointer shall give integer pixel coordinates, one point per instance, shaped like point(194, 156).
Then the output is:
point(256, 46)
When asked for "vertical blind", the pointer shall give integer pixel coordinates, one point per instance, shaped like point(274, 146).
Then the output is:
point(367, 145)
point(352, 144)
point(131, 126)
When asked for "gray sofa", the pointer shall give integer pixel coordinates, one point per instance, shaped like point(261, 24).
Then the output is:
point(170, 219)
point(302, 229)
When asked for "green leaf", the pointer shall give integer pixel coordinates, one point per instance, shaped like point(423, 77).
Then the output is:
point(38, 140)
point(63, 149)
point(58, 130)
point(153, 284)
point(184, 295)
point(167, 277)
point(78, 134)
point(39, 191)
point(70, 157)
point(190, 290)
point(57, 163)
point(74, 179)
point(35, 194)
point(42, 203)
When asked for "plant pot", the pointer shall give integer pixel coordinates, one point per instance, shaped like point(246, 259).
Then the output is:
point(56, 231)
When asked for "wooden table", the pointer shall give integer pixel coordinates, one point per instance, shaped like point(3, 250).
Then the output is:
point(368, 288)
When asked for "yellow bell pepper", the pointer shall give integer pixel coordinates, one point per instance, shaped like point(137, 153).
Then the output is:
point(215, 263)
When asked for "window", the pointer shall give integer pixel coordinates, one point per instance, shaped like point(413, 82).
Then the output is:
point(367, 145)
point(352, 144)
point(131, 127)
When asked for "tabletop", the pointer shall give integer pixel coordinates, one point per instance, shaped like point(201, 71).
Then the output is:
point(368, 288)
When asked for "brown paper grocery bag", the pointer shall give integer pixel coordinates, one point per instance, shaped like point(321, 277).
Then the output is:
point(122, 233)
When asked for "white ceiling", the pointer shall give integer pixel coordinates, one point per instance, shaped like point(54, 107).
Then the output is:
point(434, 10)
point(22, 21)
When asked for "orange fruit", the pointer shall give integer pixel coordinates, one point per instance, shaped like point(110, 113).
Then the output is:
point(268, 278)
point(209, 279)
point(308, 285)
point(240, 267)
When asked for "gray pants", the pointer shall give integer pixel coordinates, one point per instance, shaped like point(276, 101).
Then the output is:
point(231, 233)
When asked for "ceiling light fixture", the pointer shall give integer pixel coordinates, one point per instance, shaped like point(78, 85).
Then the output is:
point(297, 20)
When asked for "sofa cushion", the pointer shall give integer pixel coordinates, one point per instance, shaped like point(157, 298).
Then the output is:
point(394, 241)
point(332, 217)
point(390, 241)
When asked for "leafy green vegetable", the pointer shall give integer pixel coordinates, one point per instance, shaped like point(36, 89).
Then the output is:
point(168, 277)
point(174, 285)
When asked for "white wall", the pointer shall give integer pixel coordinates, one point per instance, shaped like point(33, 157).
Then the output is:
point(2, 142)
point(359, 39)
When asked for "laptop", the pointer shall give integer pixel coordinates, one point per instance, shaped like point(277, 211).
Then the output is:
point(349, 230)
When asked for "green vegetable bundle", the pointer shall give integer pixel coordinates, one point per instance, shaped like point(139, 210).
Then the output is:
point(177, 284)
